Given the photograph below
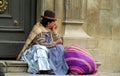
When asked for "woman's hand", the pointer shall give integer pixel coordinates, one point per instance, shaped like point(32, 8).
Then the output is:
point(59, 41)
point(54, 29)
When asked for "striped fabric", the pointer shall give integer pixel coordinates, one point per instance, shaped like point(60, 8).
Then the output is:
point(79, 60)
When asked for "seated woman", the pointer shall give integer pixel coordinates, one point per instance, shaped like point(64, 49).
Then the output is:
point(79, 60)
point(45, 51)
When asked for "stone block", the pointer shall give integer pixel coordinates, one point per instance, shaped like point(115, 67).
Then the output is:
point(16, 66)
point(13, 66)
point(105, 4)
point(98, 63)
point(3, 65)
point(85, 42)
point(94, 53)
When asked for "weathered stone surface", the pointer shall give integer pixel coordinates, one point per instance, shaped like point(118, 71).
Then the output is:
point(104, 23)
point(105, 4)
point(75, 12)
point(89, 43)
point(19, 66)
point(109, 55)
point(116, 19)
point(14, 66)
point(92, 18)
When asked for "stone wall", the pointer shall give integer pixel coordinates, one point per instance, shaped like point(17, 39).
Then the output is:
point(103, 23)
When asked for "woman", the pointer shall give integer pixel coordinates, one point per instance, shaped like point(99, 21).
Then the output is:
point(46, 51)
point(80, 62)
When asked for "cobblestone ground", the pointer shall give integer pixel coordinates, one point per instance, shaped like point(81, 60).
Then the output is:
point(27, 74)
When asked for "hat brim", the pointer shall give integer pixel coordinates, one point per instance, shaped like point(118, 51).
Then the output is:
point(49, 18)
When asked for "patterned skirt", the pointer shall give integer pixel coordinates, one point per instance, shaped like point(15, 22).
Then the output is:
point(36, 58)
point(79, 60)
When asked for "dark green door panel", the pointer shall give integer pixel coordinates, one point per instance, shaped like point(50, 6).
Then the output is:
point(15, 24)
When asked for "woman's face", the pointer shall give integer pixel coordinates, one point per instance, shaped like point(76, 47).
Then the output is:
point(52, 24)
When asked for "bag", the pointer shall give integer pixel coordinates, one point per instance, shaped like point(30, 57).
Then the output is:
point(79, 60)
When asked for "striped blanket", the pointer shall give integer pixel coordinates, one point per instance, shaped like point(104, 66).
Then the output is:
point(79, 60)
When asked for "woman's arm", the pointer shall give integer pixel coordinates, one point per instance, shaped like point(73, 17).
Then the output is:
point(56, 38)
point(40, 39)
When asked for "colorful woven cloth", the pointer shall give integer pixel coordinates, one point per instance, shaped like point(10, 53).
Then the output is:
point(79, 60)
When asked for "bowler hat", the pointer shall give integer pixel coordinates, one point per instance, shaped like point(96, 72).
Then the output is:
point(48, 14)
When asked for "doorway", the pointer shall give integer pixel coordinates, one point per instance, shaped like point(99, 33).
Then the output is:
point(16, 20)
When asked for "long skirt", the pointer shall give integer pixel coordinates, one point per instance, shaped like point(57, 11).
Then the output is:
point(79, 60)
point(56, 60)
point(37, 58)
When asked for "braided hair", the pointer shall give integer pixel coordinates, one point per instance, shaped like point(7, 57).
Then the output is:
point(45, 21)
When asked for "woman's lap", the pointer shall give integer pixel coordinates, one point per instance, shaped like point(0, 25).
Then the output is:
point(56, 55)
point(37, 59)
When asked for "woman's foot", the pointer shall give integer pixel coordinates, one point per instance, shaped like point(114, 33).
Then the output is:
point(49, 72)
point(68, 72)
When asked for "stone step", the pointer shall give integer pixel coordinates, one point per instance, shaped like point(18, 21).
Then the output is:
point(97, 74)
point(12, 66)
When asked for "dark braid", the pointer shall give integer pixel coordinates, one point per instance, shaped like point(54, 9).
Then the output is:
point(45, 21)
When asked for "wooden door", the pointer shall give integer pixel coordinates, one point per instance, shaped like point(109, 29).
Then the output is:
point(16, 20)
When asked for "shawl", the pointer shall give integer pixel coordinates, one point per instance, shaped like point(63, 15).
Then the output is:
point(37, 29)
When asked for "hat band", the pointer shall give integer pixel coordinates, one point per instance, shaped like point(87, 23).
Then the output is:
point(49, 18)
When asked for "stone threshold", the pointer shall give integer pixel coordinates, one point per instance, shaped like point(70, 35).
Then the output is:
point(12, 66)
